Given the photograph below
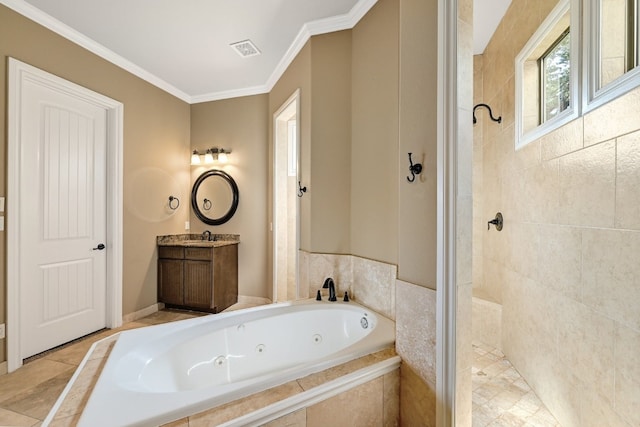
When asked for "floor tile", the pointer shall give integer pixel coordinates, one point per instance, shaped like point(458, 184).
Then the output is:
point(501, 397)
point(165, 316)
point(31, 375)
point(37, 401)
point(240, 306)
point(10, 418)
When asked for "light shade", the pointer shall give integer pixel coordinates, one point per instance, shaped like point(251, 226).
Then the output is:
point(222, 156)
point(208, 157)
point(195, 158)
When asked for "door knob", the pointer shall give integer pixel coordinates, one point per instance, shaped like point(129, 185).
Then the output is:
point(100, 247)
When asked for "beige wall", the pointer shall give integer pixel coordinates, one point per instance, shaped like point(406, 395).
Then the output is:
point(351, 134)
point(418, 90)
point(374, 150)
point(241, 125)
point(156, 148)
point(565, 266)
point(329, 184)
point(415, 210)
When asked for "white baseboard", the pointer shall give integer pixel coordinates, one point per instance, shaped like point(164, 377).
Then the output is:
point(246, 299)
point(142, 313)
point(3, 368)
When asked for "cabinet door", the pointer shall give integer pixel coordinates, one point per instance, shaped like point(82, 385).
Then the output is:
point(170, 281)
point(225, 282)
point(197, 284)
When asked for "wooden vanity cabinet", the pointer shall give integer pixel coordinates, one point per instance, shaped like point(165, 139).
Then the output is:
point(199, 278)
point(170, 281)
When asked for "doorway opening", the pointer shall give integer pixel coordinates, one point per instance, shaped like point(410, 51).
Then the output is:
point(286, 205)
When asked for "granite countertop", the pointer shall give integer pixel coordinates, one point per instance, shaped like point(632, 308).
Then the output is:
point(196, 240)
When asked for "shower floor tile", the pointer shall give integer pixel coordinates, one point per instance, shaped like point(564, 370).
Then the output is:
point(501, 397)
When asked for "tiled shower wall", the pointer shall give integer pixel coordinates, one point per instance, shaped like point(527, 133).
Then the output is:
point(566, 266)
point(464, 214)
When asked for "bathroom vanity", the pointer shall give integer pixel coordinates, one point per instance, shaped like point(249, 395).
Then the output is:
point(198, 274)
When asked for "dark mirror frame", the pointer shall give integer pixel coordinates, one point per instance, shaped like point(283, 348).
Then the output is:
point(234, 203)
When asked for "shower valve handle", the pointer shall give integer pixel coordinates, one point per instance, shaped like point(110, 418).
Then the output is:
point(497, 221)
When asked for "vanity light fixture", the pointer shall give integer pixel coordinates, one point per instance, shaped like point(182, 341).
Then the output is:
point(211, 155)
point(222, 156)
point(208, 157)
point(195, 158)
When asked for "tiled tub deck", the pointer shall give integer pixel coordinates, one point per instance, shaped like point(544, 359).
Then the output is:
point(371, 403)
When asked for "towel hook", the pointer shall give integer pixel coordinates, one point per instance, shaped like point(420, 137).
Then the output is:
point(301, 189)
point(414, 169)
point(499, 119)
point(206, 204)
point(171, 205)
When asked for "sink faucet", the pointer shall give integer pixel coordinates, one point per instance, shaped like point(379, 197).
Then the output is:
point(332, 289)
point(206, 233)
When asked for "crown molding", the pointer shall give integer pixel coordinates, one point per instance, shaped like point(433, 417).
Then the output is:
point(321, 26)
point(313, 28)
point(27, 10)
point(228, 94)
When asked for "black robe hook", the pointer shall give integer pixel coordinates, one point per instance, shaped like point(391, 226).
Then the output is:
point(499, 119)
point(414, 169)
point(301, 189)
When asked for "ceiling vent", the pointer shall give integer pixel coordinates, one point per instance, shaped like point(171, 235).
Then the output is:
point(245, 48)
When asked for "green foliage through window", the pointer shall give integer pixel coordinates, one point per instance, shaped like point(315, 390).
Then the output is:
point(555, 68)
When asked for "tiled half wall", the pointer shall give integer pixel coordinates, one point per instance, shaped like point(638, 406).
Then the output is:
point(375, 285)
point(371, 283)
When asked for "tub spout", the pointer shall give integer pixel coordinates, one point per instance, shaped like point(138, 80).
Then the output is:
point(332, 289)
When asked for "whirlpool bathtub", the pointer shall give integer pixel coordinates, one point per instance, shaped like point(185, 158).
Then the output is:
point(161, 373)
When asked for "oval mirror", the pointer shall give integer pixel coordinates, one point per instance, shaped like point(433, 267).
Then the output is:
point(214, 197)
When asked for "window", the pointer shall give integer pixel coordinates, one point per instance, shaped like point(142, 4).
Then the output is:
point(557, 82)
point(613, 52)
point(546, 72)
point(292, 138)
point(555, 67)
point(617, 53)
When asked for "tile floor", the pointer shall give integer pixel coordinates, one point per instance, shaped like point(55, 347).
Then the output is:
point(27, 395)
point(501, 397)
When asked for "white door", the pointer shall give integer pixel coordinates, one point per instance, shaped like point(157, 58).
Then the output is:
point(62, 188)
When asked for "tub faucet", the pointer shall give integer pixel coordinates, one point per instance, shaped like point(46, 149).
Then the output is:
point(332, 289)
point(206, 235)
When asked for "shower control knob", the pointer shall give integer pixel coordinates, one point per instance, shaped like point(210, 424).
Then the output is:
point(497, 221)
